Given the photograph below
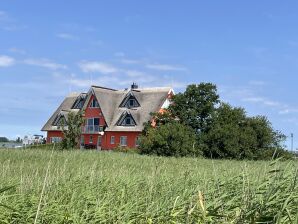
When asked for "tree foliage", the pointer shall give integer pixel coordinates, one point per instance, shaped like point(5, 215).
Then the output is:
point(4, 139)
point(170, 139)
point(232, 134)
point(73, 130)
point(221, 131)
point(195, 106)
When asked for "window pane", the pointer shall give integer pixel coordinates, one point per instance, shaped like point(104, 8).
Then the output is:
point(128, 121)
point(96, 121)
point(90, 121)
point(131, 102)
point(112, 139)
point(123, 141)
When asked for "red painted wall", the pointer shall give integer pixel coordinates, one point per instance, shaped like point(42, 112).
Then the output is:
point(54, 134)
point(131, 139)
point(94, 112)
point(106, 139)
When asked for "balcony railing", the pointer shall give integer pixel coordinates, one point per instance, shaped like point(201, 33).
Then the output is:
point(91, 129)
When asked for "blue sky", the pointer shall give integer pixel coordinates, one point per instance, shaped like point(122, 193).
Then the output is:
point(48, 49)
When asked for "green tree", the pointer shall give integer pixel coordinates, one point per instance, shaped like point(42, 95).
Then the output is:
point(195, 106)
point(170, 139)
point(4, 139)
point(72, 131)
point(234, 135)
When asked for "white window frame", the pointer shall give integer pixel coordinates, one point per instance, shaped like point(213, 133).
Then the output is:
point(91, 139)
point(112, 140)
point(123, 140)
point(55, 139)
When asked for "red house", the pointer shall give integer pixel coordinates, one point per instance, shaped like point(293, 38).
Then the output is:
point(112, 117)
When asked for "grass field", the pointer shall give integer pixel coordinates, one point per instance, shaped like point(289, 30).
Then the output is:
point(109, 187)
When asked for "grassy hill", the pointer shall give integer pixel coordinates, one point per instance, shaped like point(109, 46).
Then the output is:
point(109, 187)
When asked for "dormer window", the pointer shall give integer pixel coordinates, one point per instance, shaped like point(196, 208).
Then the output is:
point(126, 119)
point(94, 103)
point(130, 101)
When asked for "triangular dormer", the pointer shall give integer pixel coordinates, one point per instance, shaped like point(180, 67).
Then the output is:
point(60, 120)
point(93, 103)
point(126, 119)
point(130, 101)
point(79, 103)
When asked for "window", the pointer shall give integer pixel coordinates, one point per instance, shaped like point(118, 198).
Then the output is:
point(128, 121)
point(93, 125)
point(94, 104)
point(55, 139)
point(131, 102)
point(91, 139)
point(112, 140)
point(137, 141)
point(123, 141)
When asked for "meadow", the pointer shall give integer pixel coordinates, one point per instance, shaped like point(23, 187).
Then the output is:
point(45, 186)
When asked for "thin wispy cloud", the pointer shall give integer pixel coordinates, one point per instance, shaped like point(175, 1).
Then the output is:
point(94, 66)
point(263, 101)
point(165, 67)
point(67, 36)
point(46, 63)
point(17, 50)
point(129, 61)
point(6, 61)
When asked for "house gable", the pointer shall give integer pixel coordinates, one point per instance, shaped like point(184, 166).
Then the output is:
point(130, 101)
point(126, 119)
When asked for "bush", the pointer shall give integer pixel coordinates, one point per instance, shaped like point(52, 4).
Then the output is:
point(171, 139)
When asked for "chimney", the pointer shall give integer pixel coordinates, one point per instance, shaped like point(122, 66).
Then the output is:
point(134, 86)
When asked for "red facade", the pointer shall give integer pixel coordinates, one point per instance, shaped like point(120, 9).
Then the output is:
point(91, 136)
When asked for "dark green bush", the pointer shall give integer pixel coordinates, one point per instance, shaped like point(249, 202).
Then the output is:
point(171, 139)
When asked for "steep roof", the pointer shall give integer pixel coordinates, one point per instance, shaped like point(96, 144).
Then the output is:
point(150, 100)
point(64, 107)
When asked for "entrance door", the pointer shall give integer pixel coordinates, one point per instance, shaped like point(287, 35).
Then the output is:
point(99, 141)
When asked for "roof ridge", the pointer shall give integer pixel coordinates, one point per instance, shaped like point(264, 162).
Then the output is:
point(101, 87)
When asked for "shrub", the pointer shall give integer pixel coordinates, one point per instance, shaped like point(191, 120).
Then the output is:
point(171, 139)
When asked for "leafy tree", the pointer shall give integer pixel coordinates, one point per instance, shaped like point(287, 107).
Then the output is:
point(234, 135)
point(73, 130)
point(170, 139)
point(195, 106)
point(4, 139)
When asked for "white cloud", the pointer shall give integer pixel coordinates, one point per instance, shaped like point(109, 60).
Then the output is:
point(134, 73)
point(165, 67)
point(45, 63)
point(262, 100)
point(67, 36)
point(130, 61)
point(288, 111)
point(101, 67)
point(6, 61)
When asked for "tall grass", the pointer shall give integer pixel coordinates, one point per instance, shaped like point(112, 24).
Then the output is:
point(107, 187)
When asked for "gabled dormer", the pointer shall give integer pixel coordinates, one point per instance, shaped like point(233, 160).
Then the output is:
point(79, 103)
point(60, 120)
point(93, 103)
point(126, 119)
point(130, 101)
